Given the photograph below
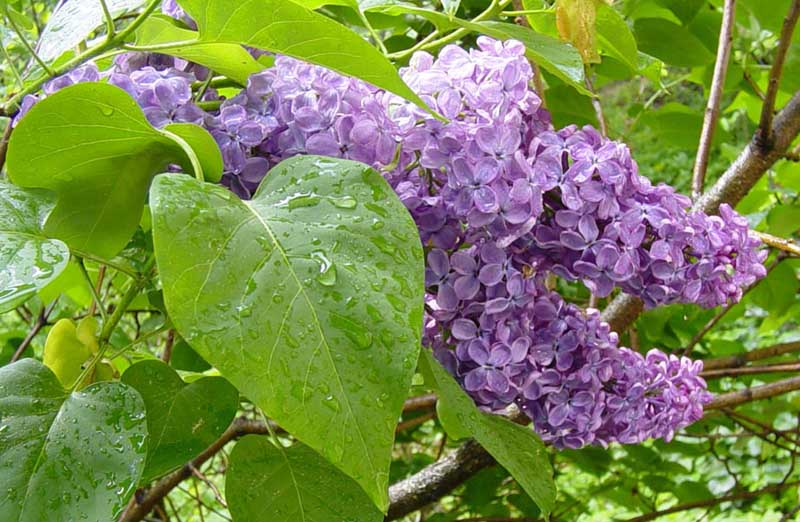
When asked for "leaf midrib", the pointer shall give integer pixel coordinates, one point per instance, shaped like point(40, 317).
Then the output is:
point(323, 338)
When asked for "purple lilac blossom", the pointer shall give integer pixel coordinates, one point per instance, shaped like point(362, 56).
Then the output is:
point(500, 198)
point(518, 343)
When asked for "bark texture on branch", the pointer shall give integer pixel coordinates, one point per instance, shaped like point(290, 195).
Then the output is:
point(755, 393)
point(734, 184)
point(714, 97)
point(739, 360)
point(436, 480)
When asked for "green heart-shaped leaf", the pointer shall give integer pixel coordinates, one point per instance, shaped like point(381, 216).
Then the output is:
point(308, 298)
point(91, 144)
point(516, 448)
point(265, 483)
point(67, 456)
point(29, 260)
point(182, 419)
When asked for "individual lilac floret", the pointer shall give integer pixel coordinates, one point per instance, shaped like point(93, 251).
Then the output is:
point(171, 8)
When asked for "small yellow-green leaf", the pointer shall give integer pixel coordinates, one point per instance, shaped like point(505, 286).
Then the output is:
point(576, 20)
point(64, 353)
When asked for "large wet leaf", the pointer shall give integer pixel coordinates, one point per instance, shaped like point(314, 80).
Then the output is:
point(28, 259)
point(307, 298)
point(182, 419)
point(517, 448)
point(265, 483)
point(273, 25)
point(66, 456)
point(74, 21)
point(91, 144)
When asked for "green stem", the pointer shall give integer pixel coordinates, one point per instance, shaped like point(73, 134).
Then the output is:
point(198, 169)
point(371, 31)
point(494, 8)
point(139, 340)
point(110, 29)
point(116, 266)
point(27, 44)
point(203, 88)
point(525, 12)
point(108, 326)
point(89, 54)
point(217, 82)
point(12, 66)
point(154, 48)
point(209, 106)
point(419, 45)
point(92, 288)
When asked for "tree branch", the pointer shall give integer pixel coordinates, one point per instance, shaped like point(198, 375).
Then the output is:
point(779, 243)
point(739, 360)
point(436, 480)
point(41, 322)
point(734, 184)
point(742, 495)
point(421, 402)
point(751, 370)
point(714, 98)
point(765, 131)
point(754, 393)
point(139, 509)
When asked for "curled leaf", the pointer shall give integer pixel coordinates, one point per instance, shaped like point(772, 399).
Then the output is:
point(576, 22)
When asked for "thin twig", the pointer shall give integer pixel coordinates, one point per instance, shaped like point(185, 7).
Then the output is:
point(110, 30)
point(414, 422)
point(754, 393)
point(764, 132)
point(217, 495)
point(166, 355)
point(739, 360)
point(239, 428)
point(786, 245)
point(14, 70)
point(27, 44)
point(753, 85)
point(420, 402)
point(94, 289)
point(41, 322)
point(714, 98)
point(751, 370)
point(742, 495)
point(598, 107)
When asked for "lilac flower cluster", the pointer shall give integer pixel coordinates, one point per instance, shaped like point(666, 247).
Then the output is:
point(610, 227)
point(518, 343)
point(500, 199)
